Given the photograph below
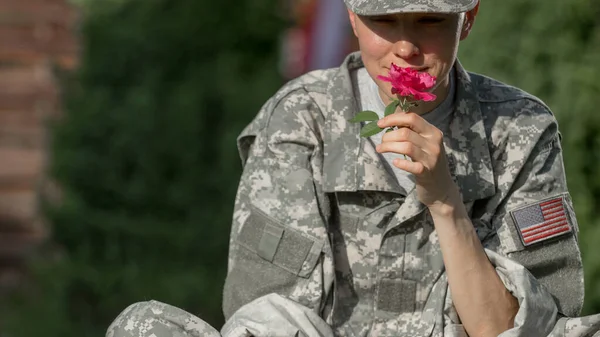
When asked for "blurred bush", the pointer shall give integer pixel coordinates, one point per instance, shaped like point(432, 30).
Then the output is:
point(551, 48)
point(146, 157)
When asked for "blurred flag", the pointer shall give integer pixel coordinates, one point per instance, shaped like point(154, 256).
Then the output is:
point(320, 38)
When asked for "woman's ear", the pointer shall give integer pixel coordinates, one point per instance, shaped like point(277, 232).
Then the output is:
point(352, 17)
point(469, 20)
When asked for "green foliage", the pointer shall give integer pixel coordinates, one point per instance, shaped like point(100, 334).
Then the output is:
point(365, 116)
point(391, 108)
point(551, 48)
point(370, 129)
point(146, 156)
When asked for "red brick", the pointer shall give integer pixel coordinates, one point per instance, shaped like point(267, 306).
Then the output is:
point(20, 118)
point(35, 35)
point(19, 79)
point(23, 138)
point(17, 11)
point(62, 58)
point(19, 162)
point(19, 183)
point(18, 245)
point(34, 101)
point(18, 205)
point(39, 38)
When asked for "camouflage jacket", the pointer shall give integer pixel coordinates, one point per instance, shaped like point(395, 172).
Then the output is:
point(319, 219)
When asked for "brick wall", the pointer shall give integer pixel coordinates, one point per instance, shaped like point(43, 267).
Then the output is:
point(36, 36)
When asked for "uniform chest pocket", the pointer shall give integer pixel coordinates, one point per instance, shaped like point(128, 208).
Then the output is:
point(372, 209)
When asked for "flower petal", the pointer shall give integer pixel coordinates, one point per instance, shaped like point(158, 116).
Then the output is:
point(410, 82)
point(384, 78)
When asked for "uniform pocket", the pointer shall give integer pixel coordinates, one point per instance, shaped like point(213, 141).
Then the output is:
point(358, 209)
point(268, 257)
point(284, 247)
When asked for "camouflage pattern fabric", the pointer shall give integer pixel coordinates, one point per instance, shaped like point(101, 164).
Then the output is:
point(272, 316)
point(156, 319)
point(245, 324)
point(588, 326)
point(532, 297)
point(268, 316)
point(319, 220)
point(382, 7)
point(321, 231)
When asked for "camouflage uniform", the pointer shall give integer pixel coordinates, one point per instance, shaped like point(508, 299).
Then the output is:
point(319, 220)
point(323, 244)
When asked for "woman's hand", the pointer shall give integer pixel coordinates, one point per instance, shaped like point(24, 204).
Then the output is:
point(423, 143)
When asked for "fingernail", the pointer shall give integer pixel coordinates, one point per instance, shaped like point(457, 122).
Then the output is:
point(378, 148)
point(380, 123)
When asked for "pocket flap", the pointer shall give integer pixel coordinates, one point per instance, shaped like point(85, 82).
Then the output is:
point(287, 248)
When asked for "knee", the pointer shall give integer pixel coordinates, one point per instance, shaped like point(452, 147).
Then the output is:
point(131, 321)
point(156, 319)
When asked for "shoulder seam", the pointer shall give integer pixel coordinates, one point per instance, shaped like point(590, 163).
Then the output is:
point(517, 93)
point(522, 97)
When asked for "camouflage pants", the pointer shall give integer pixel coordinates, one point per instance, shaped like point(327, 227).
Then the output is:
point(268, 316)
point(156, 319)
point(274, 315)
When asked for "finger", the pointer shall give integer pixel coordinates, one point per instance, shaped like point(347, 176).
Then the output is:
point(409, 120)
point(415, 168)
point(405, 148)
point(405, 134)
point(430, 145)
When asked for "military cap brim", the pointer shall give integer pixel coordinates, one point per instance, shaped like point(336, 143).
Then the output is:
point(383, 7)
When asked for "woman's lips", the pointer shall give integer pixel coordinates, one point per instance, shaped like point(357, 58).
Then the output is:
point(414, 68)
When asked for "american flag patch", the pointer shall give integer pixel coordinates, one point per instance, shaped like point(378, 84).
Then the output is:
point(541, 221)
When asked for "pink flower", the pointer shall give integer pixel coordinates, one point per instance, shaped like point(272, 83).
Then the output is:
point(410, 82)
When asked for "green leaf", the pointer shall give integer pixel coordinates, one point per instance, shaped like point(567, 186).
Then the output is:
point(391, 108)
point(370, 130)
point(365, 116)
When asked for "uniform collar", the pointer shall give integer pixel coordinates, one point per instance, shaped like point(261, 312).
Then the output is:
point(351, 166)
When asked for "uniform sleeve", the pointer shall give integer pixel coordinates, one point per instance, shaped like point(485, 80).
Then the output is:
point(274, 315)
point(534, 298)
point(278, 235)
point(533, 214)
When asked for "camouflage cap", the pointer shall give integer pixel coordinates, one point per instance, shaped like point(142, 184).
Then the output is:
point(381, 7)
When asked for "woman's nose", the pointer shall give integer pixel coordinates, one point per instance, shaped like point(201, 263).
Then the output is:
point(405, 49)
